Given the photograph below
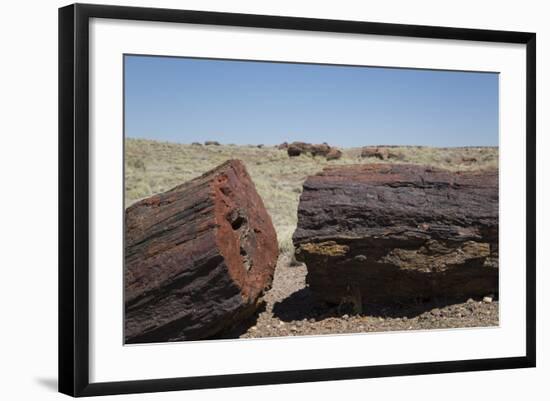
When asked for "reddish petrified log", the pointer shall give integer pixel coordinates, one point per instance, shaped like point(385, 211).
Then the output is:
point(198, 257)
point(334, 154)
point(385, 233)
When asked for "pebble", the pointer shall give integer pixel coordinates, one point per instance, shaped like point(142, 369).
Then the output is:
point(435, 312)
point(487, 300)
point(319, 319)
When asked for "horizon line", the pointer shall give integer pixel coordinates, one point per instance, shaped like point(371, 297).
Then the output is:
point(290, 142)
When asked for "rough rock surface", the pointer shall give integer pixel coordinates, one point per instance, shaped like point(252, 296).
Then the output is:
point(198, 258)
point(390, 233)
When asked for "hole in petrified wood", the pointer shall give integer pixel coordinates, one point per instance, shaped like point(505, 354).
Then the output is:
point(246, 260)
point(236, 218)
point(238, 222)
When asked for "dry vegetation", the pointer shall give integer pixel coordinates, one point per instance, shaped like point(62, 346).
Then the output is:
point(152, 167)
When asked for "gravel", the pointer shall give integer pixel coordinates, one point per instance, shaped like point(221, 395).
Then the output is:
point(292, 310)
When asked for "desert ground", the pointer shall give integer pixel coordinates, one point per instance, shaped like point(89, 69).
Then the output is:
point(290, 309)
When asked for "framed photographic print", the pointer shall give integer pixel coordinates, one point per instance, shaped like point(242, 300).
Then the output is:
point(251, 199)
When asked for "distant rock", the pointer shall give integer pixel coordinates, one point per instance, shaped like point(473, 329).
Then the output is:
point(323, 149)
point(212, 143)
point(319, 150)
point(283, 146)
point(196, 144)
point(379, 153)
point(297, 148)
point(334, 154)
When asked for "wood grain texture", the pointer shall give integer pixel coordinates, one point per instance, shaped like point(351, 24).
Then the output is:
point(398, 232)
point(198, 257)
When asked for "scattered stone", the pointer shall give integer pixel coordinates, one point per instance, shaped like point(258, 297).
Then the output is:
point(289, 282)
point(487, 300)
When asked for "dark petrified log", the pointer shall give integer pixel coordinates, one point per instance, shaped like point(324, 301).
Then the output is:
point(385, 233)
point(297, 148)
point(198, 257)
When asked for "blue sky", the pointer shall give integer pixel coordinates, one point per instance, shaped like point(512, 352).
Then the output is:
point(193, 100)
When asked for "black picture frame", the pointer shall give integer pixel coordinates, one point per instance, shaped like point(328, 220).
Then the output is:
point(74, 198)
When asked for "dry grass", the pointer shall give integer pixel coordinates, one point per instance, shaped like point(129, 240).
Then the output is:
point(153, 167)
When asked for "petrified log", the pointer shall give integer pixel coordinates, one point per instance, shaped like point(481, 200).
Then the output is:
point(379, 153)
point(198, 257)
point(391, 233)
point(283, 146)
point(334, 154)
point(297, 148)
